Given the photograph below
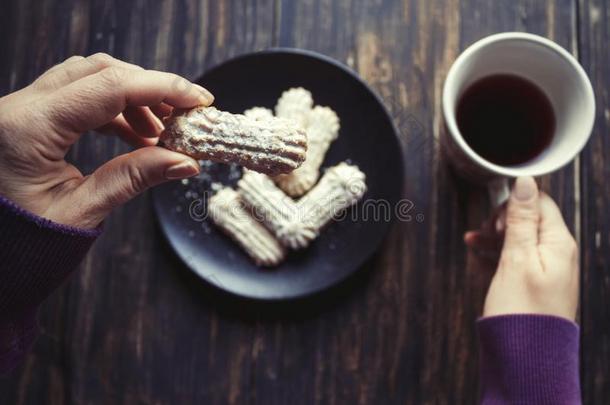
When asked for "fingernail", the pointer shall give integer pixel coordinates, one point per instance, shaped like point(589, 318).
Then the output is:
point(499, 225)
point(501, 222)
point(525, 188)
point(206, 95)
point(181, 170)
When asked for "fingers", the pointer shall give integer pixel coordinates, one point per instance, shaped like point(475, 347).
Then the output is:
point(522, 215)
point(126, 176)
point(552, 224)
point(62, 64)
point(137, 126)
point(119, 126)
point(482, 241)
point(94, 100)
point(143, 121)
point(161, 110)
point(500, 221)
point(490, 235)
point(76, 68)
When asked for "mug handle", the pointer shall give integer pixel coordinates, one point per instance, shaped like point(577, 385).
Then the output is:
point(498, 191)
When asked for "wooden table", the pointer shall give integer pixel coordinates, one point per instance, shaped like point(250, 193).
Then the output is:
point(134, 327)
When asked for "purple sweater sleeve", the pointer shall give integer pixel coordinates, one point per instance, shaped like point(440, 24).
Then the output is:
point(529, 359)
point(36, 255)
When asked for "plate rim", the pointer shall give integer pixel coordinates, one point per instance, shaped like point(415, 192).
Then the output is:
point(343, 278)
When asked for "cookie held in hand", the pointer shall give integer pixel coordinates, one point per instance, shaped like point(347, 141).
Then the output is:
point(267, 145)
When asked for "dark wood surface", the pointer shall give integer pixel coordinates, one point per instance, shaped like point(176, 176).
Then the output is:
point(133, 326)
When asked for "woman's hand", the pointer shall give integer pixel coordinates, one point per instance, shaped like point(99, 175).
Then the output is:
point(537, 271)
point(39, 123)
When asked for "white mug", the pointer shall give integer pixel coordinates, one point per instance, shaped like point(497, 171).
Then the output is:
point(554, 71)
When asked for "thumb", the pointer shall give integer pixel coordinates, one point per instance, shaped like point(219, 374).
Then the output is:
point(522, 215)
point(128, 175)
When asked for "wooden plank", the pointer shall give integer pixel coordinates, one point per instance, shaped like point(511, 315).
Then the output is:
point(594, 35)
point(408, 335)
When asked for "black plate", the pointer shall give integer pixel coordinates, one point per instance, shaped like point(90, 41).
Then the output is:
point(367, 138)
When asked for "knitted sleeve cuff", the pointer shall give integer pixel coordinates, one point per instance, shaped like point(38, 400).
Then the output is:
point(36, 255)
point(16, 339)
point(529, 359)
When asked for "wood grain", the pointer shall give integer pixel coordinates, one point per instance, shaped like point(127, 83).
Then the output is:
point(134, 326)
point(594, 34)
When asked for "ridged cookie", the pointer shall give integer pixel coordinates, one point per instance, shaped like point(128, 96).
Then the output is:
point(277, 211)
point(295, 104)
point(228, 213)
point(322, 130)
point(272, 146)
point(340, 187)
